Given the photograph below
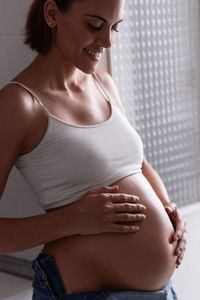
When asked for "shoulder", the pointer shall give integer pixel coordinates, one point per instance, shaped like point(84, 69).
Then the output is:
point(18, 115)
point(106, 80)
point(16, 104)
point(109, 84)
point(14, 98)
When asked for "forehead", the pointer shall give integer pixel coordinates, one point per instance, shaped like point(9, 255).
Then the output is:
point(111, 10)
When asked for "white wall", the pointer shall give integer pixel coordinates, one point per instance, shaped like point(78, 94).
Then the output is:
point(18, 200)
point(13, 54)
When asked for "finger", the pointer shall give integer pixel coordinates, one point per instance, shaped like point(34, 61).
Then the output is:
point(180, 227)
point(129, 207)
point(180, 248)
point(121, 198)
point(124, 228)
point(105, 189)
point(179, 260)
point(129, 218)
point(171, 208)
point(179, 224)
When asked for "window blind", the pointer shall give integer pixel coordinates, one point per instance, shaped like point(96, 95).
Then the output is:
point(156, 65)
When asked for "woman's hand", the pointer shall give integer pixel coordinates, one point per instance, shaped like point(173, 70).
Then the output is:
point(106, 210)
point(180, 231)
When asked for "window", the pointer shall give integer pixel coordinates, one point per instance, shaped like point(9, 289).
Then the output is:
point(156, 66)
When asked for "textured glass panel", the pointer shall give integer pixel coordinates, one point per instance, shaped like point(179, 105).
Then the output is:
point(156, 66)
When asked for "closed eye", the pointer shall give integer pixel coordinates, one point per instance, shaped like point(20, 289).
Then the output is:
point(115, 29)
point(94, 28)
point(101, 19)
point(97, 28)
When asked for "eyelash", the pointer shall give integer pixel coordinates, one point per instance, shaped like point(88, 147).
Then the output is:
point(93, 28)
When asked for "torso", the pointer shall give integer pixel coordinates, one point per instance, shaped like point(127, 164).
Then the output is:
point(143, 260)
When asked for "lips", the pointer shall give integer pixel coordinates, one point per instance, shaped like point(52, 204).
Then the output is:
point(93, 54)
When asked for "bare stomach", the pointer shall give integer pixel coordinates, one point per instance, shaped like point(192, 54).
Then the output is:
point(118, 261)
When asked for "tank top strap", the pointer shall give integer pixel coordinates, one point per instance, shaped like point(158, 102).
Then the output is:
point(30, 92)
point(38, 100)
point(102, 87)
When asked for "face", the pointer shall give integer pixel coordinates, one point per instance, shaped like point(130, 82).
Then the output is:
point(86, 30)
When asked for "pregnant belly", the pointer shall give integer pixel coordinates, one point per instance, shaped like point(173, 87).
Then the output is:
point(116, 261)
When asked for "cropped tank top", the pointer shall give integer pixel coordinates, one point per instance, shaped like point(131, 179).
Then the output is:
point(74, 159)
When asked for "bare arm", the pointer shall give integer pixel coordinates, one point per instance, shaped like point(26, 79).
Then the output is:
point(156, 182)
point(24, 233)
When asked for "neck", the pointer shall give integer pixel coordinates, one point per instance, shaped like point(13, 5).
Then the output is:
point(55, 74)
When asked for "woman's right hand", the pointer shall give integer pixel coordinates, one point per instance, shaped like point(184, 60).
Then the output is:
point(106, 210)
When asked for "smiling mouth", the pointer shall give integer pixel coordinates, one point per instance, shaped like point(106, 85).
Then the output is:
point(94, 55)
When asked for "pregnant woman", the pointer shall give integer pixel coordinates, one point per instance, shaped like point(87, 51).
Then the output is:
point(109, 231)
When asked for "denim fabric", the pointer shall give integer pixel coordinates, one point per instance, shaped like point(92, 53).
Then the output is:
point(48, 285)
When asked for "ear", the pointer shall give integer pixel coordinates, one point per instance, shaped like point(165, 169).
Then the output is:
point(50, 13)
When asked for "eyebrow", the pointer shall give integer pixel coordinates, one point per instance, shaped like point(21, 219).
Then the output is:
point(100, 18)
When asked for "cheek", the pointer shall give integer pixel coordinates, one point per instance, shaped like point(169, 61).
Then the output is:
point(82, 38)
point(73, 40)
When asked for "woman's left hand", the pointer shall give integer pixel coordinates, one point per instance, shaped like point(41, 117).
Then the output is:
point(180, 231)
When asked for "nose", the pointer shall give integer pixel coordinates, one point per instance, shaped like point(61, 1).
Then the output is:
point(105, 39)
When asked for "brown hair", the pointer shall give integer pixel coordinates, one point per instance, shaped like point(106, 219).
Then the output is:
point(38, 35)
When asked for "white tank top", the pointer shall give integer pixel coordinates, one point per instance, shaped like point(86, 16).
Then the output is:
point(74, 159)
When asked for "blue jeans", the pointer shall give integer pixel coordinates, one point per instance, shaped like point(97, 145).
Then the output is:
point(48, 285)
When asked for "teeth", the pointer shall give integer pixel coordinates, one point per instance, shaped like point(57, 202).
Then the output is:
point(96, 54)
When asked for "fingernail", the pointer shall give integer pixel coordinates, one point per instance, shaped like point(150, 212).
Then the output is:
point(177, 237)
point(169, 209)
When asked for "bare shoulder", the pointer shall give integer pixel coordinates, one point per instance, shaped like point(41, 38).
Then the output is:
point(107, 81)
point(18, 115)
point(16, 105)
point(14, 99)
point(109, 84)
